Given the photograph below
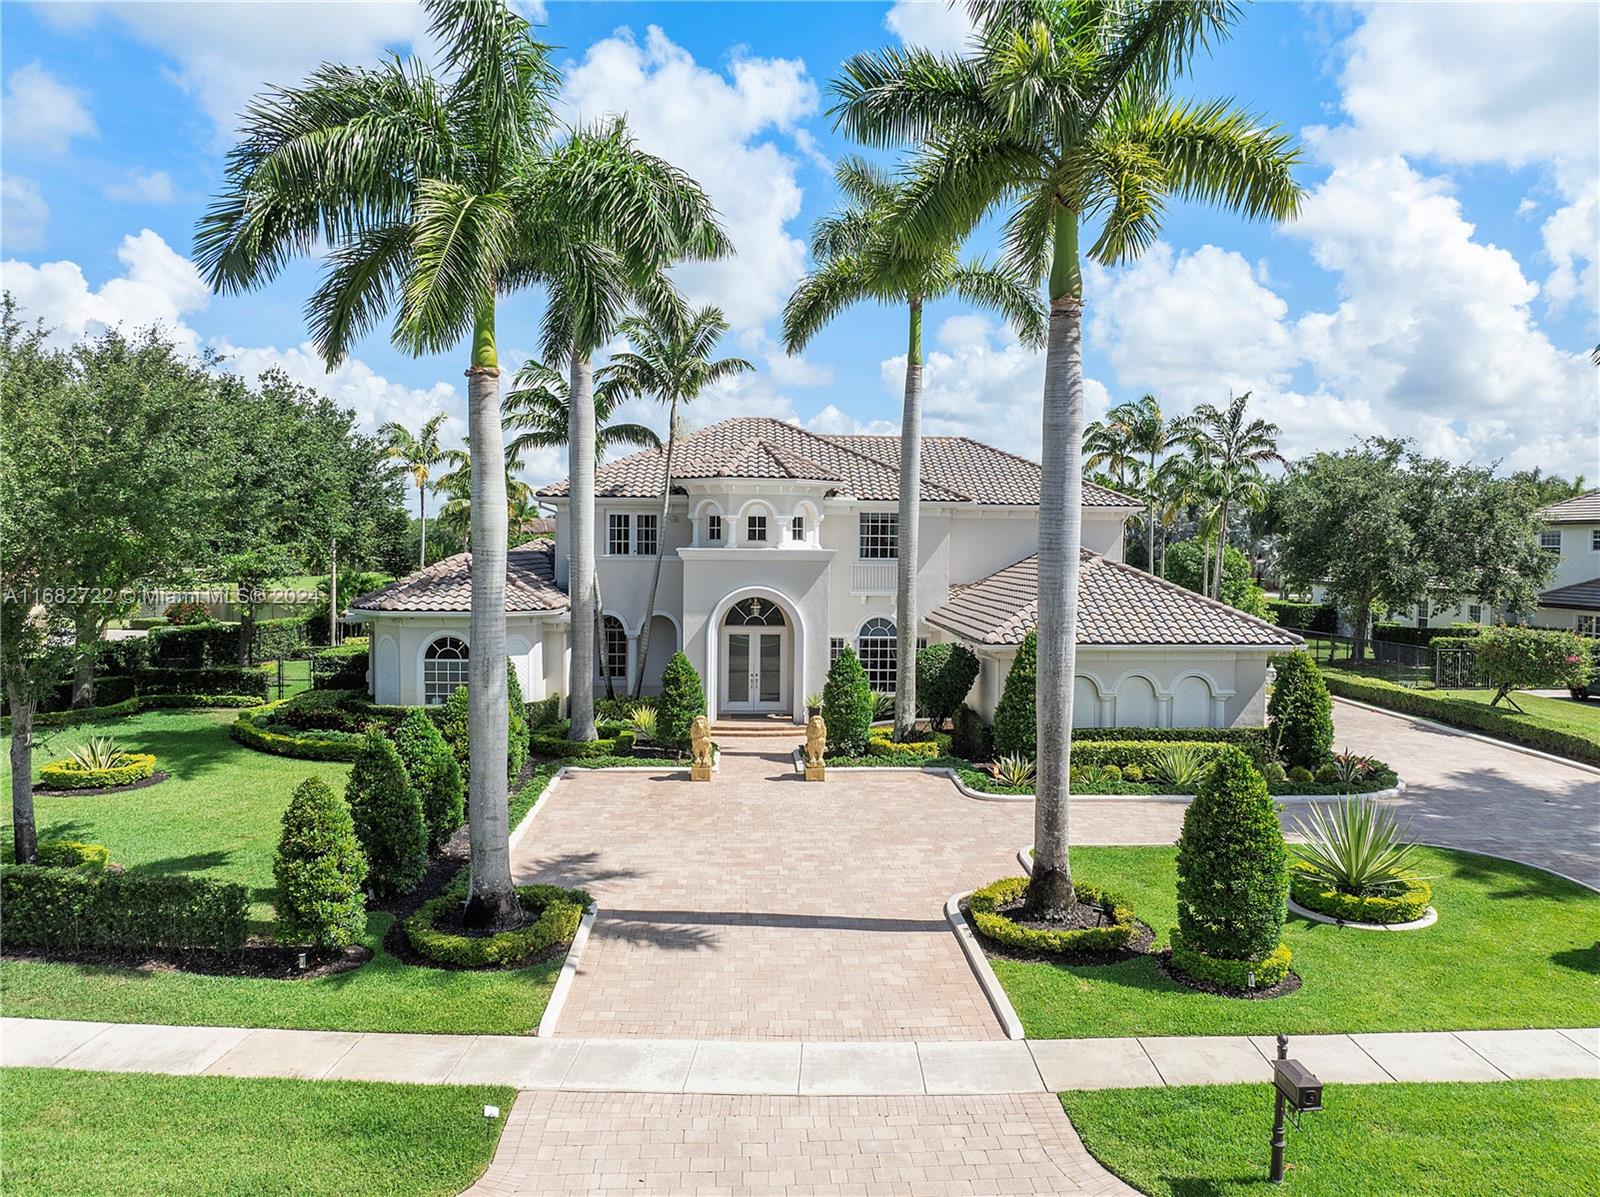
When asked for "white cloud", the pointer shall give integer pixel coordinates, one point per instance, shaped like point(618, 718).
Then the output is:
point(936, 25)
point(23, 214)
point(1570, 236)
point(43, 113)
point(831, 421)
point(717, 127)
point(142, 187)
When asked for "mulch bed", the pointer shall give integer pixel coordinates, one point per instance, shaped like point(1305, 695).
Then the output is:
point(154, 779)
point(1138, 946)
point(1290, 983)
point(264, 961)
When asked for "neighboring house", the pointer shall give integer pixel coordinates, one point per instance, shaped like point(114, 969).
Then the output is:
point(781, 548)
point(1572, 532)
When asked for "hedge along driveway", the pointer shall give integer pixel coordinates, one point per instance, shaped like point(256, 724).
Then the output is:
point(1513, 947)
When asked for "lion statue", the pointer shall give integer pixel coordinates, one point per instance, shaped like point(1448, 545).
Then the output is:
point(816, 740)
point(700, 741)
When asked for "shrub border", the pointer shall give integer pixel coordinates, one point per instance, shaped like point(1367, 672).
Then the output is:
point(1410, 906)
point(560, 913)
point(65, 775)
point(307, 747)
point(983, 904)
point(1229, 974)
point(132, 706)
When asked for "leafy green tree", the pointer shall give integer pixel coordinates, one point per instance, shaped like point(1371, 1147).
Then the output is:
point(862, 255)
point(1062, 114)
point(1188, 561)
point(434, 773)
point(418, 453)
point(682, 698)
point(847, 705)
point(388, 817)
point(1513, 658)
point(319, 870)
point(945, 673)
point(1015, 718)
point(1299, 712)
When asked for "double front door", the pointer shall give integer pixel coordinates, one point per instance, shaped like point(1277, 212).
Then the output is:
point(754, 670)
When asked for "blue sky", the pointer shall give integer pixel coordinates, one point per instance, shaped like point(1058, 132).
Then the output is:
point(1440, 283)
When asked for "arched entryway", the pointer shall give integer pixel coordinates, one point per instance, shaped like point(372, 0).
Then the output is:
point(756, 657)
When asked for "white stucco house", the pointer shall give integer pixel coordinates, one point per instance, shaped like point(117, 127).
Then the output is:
point(781, 548)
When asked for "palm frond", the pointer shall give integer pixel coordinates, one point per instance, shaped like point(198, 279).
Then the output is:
point(461, 241)
point(821, 296)
point(1008, 293)
point(901, 97)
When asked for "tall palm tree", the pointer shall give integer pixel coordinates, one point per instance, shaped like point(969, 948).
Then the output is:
point(862, 256)
point(417, 452)
point(456, 485)
point(536, 413)
point(670, 359)
point(1131, 442)
point(1062, 114)
point(1229, 452)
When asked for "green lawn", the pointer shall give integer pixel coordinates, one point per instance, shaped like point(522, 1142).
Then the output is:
point(127, 1134)
point(1562, 714)
point(1513, 947)
point(1512, 1139)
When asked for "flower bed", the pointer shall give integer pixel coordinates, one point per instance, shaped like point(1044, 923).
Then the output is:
point(1233, 975)
point(262, 730)
point(555, 915)
point(1407, 905)
point(129, 767)
point(985, 907)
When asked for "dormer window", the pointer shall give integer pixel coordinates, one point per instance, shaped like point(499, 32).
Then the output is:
point(755, 529)
point(714, 529)
point(797, 528)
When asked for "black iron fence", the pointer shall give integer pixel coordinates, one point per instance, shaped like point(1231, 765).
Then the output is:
point(1404, 664)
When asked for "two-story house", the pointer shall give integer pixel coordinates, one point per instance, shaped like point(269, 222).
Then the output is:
point(781, 547)
point(1572, 533)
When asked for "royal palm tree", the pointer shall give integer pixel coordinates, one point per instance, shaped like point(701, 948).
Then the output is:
point(418, 453)
point(1131, 441)
point(455, 483)
point(671, 360)
point(1229, 452)
point(1107, 446)
point(862, 257)
point(537, 416)
point(1061, 113)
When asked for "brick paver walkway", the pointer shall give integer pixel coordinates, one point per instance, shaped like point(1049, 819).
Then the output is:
point(713, 1144)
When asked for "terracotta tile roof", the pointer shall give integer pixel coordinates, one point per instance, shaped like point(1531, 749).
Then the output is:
point(1582, 595)
point(447, 585)
point(1117, 604)
point(954, 468)
point(1581, 509)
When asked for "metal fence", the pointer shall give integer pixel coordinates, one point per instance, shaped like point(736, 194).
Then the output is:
point(1415, 665)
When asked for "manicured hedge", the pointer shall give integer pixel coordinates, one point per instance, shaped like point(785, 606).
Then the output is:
point(1308, 617)
point(1405, 906)
point(544, 712)
point(1399, 633)
point(66, 774)
point(973, 737)
point(554, 913)
point(215, 679)
point(72, 854)
point(165, 702)
point(340, 668)
point(1230, 974)
point(55, 909)
point(1464, 714)
point(561, 748)
point(880, 744)
point(260, 730)
point(1114, 937)
point(1143, 753)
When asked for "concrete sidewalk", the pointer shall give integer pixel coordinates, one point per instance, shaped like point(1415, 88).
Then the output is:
point(862, 1069)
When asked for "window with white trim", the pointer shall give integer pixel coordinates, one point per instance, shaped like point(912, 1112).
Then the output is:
point(1423, 611)
point(1550, 540)
point(444, 667)
point(1594, 540)
point(875, 645)
point(879, 535)
point(797, 528)
point(835, 647)
point(1589, 625)
point(619, 536)
point(755, 529)
point(615, 656)
point(1475, 613)
point(645, 535)
point(714, 528)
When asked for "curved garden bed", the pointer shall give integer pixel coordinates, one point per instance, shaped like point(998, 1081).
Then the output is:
point(1108, 927)
point(1409, 905)
point(68, 776)
point(264, 730)
point(553, 913)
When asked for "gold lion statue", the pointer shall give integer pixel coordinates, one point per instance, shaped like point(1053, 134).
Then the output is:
point(816, 740)
point(700, 741)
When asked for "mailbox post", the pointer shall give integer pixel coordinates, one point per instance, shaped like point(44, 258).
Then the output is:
point(1298, 1092)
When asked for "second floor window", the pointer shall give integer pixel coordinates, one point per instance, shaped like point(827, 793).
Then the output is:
point(714, 529)
point(631, 534)
point(880, 535)
point(797, 528)
point(755, 528)
point(644, 535)
point(1550, 541)
point(618, 534)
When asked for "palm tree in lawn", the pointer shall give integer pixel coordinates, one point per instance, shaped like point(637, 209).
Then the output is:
point(1230, 452)
point(1061, 113)
point(861, 257)
point(670, 358)
point(418, 453)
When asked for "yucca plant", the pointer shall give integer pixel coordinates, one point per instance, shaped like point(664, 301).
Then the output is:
point(644, 720)
point(1180, 765)
point(1014, 770)
point(97, 752)
point(882, 706)
point(1357, 848)
point(1352, 767)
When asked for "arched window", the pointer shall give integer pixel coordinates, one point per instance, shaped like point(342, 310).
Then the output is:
point(755, 613)
point(615, 654)
point(875, 645)
point(444, 667)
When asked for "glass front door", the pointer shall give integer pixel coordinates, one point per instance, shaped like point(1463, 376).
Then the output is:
point(753, 675)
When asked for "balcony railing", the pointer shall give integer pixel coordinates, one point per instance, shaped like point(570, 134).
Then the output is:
point(873, 577)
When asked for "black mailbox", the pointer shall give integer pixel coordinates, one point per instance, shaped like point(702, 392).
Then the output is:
point(1299, 1086)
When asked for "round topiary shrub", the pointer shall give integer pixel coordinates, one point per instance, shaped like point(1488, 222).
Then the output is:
point(847, 705)
point(1233, 878)
point(682, 699)
point(388, 818)
point(319, 870)
point(945, 673)
point(1299, 712)
point(1300, 774)
point(552, 914)
point(988, 908)
point(433, 772)
point(1016, 718)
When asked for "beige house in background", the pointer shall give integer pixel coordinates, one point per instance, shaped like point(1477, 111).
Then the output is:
point(781, 548)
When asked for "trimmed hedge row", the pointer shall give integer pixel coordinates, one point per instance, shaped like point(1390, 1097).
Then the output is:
point(880, 744)
point(555, 912)
point(1230, 974)
point(340, 668)
point(1464, 714)
point(1308, 617)
point(57, 909)
point(561, 748)
point(214, 679)
point(67, 774)
point(1410, 904)
point(1117, 935)
point(132, 706)
point(259, 730)
point(72, 854)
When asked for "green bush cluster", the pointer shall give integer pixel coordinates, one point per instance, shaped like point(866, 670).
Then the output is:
point(455, 724)
point(1227, 973)
point(559, 747)
point(1518, 658)
point(69, 775)
point(544, 712)
point(985, 904)
point(1145, 754)
point(516, 725)
point(388, 818)
point(553, 913)
point(1233, 870)
point(945, 673)
point(621, 709)
point(342, 667)
point(1016, 717)
point(72, 854)
point(319, 869)
point(69, 910)
point(1405, 906)
point(1299, 712)
point(214, 679)
point(261, 730)
point(847, 705)
point(973, 737)
point(682, 699)
point(433, 772)
point(880, 743)
point(1307, 617)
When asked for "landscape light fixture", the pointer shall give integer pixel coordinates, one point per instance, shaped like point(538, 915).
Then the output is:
point(1298, 1092)
point(490, 1113)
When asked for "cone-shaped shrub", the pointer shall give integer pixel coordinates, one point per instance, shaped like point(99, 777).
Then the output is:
point(1233, 870)
point(682, 698)
point(516, 725)
point(319, 870)
point(847, 705)
point(1300, 712)
point(945, 672)
point(1016, 718)
point(455, 724)
point(388, 818)
point(433, 773)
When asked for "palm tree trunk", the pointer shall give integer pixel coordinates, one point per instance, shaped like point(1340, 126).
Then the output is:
point(905, 602)
point(422, 514)
point(1150, 518)
point(661, 551)
point(580, 552)
point(1060, 536)
point(1222, 546)
point(24, 834)
point(491, 899)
